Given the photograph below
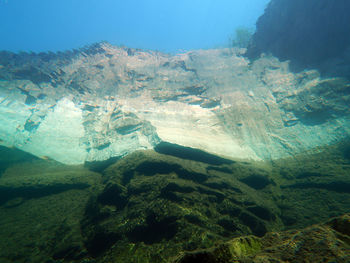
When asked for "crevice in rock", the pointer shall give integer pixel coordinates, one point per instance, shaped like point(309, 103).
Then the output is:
point(154, 230)
point(256, 181)
point(190, 154)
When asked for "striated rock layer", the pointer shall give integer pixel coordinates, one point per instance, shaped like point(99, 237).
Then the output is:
point(105, 101)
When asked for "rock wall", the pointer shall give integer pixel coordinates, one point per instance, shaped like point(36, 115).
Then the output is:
point(105, 101)
point(309, 33)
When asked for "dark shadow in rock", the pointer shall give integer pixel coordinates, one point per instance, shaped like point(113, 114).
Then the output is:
point(313, 118)
point(70, 252)
point(128, 129)
point(190, 154)
point(256, 181)
point(100, 166)
point(304, 175)
point(172, 196)
point(76, 85)
point(30, 100)
point(199, 257)
point(113, 194)
point(288, 220)
point(100, 242)
point(3, 166)
point(228, 224)
point(41, 96)
point(230, 209)
point(93, 215)
point(210, 104)
point(30, 125)
point(219, 169)
point(155, 230)
point(209, 192)
point(345, 149)
point(261, 212)
point(255, 225)
point(195, 177)
point(103, 146)
point(174, 187)
point(341, 225)
point(150, 168)
point(340, 187)
point(8, 193)
point(32, 73)
point(127, 176)
point(347, 153)
point(222, 186)
point(195, 90)
point(10, 156)
point(194, 219)
point(90, 108)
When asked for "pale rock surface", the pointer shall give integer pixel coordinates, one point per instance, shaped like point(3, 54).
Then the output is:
point(106, 101)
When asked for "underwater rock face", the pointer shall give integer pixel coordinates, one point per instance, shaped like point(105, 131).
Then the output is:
point(154, 207)
point(105, 101)
point(164, 204)
point(327, 242)
point(313, 33)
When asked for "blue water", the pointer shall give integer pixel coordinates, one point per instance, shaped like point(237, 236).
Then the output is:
point(168, 26)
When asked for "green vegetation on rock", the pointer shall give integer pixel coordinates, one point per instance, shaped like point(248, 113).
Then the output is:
point(152, 207)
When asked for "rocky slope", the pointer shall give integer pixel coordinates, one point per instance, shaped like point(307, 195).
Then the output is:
point(150, 207)
point(105, 101)
point(312, 34)
point(328, 242)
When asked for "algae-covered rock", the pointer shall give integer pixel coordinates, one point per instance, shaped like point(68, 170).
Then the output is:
point(41, 205)
point(161, 202)
point(327, 242)
point(341, 225)
point(154, 207)
point(42, 177)
point(158, 201)
point(314, 186)
point(238, 248)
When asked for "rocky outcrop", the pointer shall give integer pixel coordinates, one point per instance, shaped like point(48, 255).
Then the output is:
point(312, 34)
point(318, 243)
point(155, 207)
point(105, 102)
point(152, 198)
point(170, 204)
point(27, 178)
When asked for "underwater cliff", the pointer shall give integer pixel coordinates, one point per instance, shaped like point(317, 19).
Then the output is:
point(106, 101)
point(115, 154)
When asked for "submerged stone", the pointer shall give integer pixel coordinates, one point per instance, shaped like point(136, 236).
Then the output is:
point(205, 101)
point(150, 207)
point(318, 243)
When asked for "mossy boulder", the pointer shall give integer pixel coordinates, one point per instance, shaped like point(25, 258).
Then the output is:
point(160, 201)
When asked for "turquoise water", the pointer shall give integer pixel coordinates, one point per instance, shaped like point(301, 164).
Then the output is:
point(167, 26)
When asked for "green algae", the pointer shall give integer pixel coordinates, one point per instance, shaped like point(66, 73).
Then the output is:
point(150, 207)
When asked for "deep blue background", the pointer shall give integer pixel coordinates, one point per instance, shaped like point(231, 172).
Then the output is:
point(164, 25)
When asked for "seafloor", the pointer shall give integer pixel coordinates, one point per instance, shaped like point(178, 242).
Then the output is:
point(157, 207)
